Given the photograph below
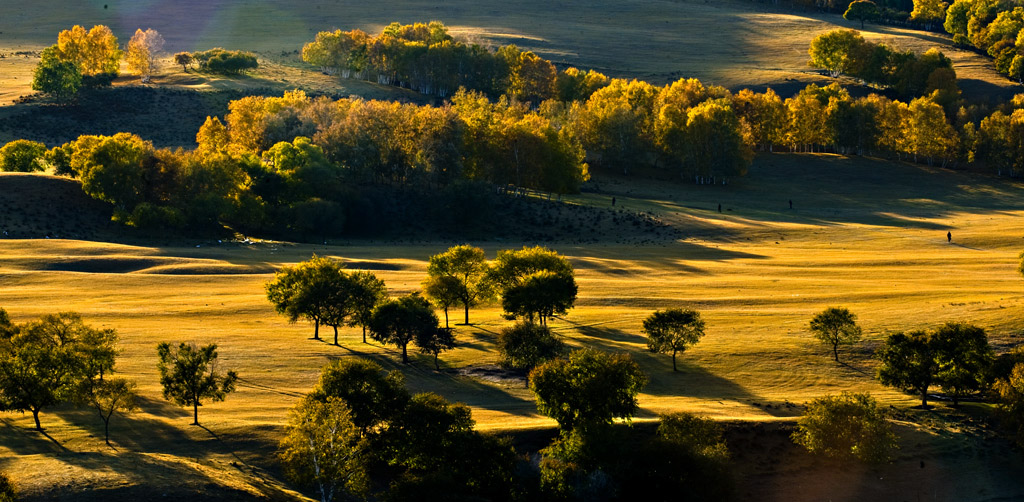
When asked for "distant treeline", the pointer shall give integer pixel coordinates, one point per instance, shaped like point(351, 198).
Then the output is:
point(424, 57)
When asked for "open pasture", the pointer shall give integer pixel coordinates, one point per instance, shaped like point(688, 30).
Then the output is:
point(731, 43)
point(864, 234)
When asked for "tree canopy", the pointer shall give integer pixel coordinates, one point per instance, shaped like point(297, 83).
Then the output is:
point(850, 425)
point(836, 326)
point(907, 362)
point(323, 448)
point(400, 321)
point(457, 275)
point(316, 289)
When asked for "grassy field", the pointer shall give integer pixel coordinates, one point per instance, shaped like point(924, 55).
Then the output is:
point(864, 234)
point(660, 41)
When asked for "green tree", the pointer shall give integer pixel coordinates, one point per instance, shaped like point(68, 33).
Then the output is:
point(466, 264)
point(834, 50)
point(108, 396)
point(114, 168)
point(44, 363)
point(308, 290)
point(673, 331)
point(435, 341)
point(588, 389)
point(443, 291)
point(849, 425)
point(861, 10)
point(525, 345)
point(908, 362)
point(836, 326)
point(372, 395)
point(964, 358)
point(22, 155)
point(1011, 399)
point(184, 59)
point(696, 434)
point(188, 374)
point(929, 12)
point(401, 321)
point(367, 292)
point(542, 294)
point(324, 448)
point(60, 79)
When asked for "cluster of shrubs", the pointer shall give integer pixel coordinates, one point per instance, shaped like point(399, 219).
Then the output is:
point(224, 61)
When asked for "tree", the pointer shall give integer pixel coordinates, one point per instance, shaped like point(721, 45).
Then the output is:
point(588, 389)
point(60, 79)
point(94, 52)
point(833, 50)
point(929, 12)
point(908, 363)
point(109, 396)
point(466, 264)
point(22, 155)
point(308, 290)
point(1011, 399)
point(367, 292)
point(45, 362)
point(400, 321)
point(435, 341)
point(964, 357)
point(373, 396)
point(525, 345)
point(849, 425)
point(188, 374)
point(836, 326)
point(673, 330)
point(324, 448)
point(543, 294)
point(114, 168)
point(142, 52)
point(533, 281)
point(862, 10)
point(185, 59)
point(443, 291)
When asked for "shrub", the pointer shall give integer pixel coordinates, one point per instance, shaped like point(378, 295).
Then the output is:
point(223, 61)
point(849, 425)
point(22, 155)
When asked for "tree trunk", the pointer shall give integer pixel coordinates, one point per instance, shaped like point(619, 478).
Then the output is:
point(674, 361)
point(364, 333)
point(467, 312)
point(195, 412)
point(835, 351)
point(335, 336)
point(436, 365)
point(446, 317)
point(405, 355)
point(316, 329)
point(106, 430)
point(35, 416)
point(924, 398)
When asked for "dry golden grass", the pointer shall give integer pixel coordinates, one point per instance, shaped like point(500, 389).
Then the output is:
point(731, 43)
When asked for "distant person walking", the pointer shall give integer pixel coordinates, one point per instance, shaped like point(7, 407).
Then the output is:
point(791, 203)
point(719, 208)
point(949, 237)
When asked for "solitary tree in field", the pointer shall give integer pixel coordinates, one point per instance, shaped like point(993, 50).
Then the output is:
point(188, 374)
point(673, 331)
point(367, 292)
point(908, 362)
point(307, 290)
point(400, 321)
point(458, 274)
point(861, 10)
point(184, 59)
point(533, 282)
point(324, 448)
point(836, 326)
point(588, 389)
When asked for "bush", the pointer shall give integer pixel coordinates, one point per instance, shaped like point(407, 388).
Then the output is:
point(22, 155)
point(525, 345)
point(6, 489)
point(849, 425)
point(223, 61)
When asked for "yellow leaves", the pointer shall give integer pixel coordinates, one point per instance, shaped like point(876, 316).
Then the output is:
point(94, 51)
